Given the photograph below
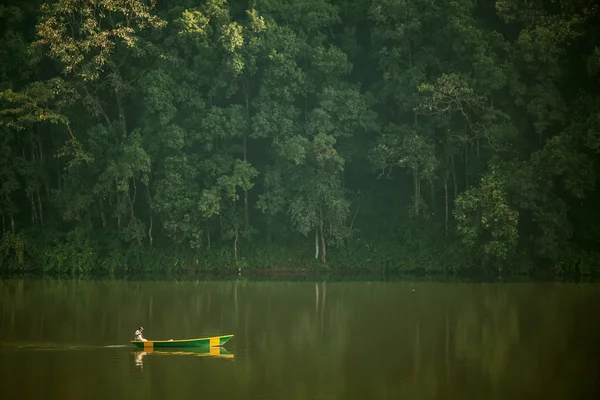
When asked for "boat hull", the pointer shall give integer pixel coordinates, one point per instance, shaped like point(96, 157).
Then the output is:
point(215, 341)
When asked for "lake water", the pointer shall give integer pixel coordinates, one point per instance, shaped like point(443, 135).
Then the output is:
point(398, 340)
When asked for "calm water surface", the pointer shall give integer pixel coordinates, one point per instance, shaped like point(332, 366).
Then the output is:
point(69, 340)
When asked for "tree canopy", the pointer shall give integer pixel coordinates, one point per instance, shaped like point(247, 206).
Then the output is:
point(407, 135)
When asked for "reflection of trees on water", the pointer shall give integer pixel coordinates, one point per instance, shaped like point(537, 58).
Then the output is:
point(499, 341)
point(335, 340)
point(296, 339)
point(487, 332)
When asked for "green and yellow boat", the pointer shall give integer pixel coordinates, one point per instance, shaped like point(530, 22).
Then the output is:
point(215, 341)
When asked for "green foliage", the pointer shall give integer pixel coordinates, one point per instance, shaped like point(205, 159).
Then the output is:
point(486, 222)
point(83, 36)
point(12, 252)
point(431, 136)
point(32, 105)
point(75, 255)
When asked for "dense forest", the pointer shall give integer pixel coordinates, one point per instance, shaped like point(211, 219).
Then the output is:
point(410, 135)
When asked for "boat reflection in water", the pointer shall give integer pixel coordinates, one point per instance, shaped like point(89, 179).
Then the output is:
point(214, 352)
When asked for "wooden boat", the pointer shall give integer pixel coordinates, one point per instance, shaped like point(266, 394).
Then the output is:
point(215, 341)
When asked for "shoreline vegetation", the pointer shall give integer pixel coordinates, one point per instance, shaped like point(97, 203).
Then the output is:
point(279, 263)
point(333, 136)
point(314, 275)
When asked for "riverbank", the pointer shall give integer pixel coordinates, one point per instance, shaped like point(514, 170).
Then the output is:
point(79, 256)
point(308, 272)
point(306, 276)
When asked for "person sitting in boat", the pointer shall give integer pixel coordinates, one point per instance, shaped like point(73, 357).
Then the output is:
point(138, 334)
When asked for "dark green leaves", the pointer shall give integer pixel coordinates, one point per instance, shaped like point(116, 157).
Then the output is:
point(485, 220)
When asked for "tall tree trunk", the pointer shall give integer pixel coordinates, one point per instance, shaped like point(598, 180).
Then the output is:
point(121, 116)
point(150, 230)
point(102, 216)
point(40, 148)
point(221, 225)
point(32, 193)
point(119, 215)
point(119, 101)
point(246, 216)
point(466, 167)
point(316, 243)
point(41, 212)
point(131, 200)
point(99, 108)
point(235, 249)
point(454, 176)
point(150, 210)
point(352, 223)
point(323, 248)
point(58, 175)
point(446, 202)
point(33, 208)
point(12, 219)
point(416, 180)
point(434, 203)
